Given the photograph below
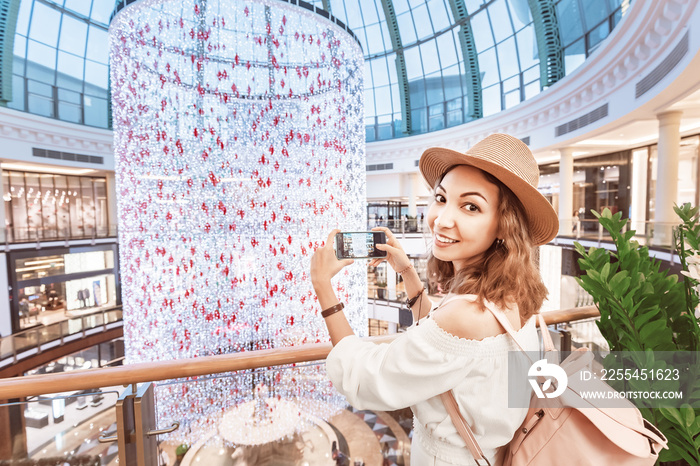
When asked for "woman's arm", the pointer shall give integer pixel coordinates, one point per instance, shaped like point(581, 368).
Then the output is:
point(324, 266)
point(399, 261)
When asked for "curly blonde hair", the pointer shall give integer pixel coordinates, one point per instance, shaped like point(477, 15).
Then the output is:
point(508, 273)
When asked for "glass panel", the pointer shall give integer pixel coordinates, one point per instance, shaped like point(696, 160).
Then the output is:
point(33, 205)
point(382, 97)
point(421, 19)
point(19, 206)
point(102, 10)
point(369, 103)
point(594, 11)
point(481, 28)
point(45, 24)
point(413, 63)
point(63, 428)
point(597, 35)
point(88, 194)
point(369, 11)
point(380, 74)
point(429, 52)
point(569, 18)
point(18, 93)
point(43, 56)
point(492, 99)
point(508, 58)
point(49, 333)
point(439, 14)
point(97, 45)
point(448, 52)
point(25, 10)
point(574, 56)
point(95, 111)
point(500, 20)
point(419, 120)
point(284, 415)
point(96, 76)
point(69, 72)
point(75, 205)
point(101, 214)
point(519, 13)
point(79, 6)
point(62, 212)
point(375, 39)
point(452, 82)
point(73, 36)
point(488, 67)
point(527, 47)
point(406, 29)
point(48, 206)
point(437, 117)
point(434, 91)
point(39, 267)
point(7, 198)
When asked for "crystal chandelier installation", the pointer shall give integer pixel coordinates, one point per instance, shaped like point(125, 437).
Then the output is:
point(239, 144)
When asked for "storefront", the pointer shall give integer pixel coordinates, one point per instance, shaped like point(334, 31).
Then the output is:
point(57, 284)
point(44, 206)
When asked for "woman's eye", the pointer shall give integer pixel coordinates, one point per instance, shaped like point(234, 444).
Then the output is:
point(439, 198)
point(472, 207)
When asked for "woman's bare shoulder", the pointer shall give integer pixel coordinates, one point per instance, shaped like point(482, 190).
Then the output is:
point(466, 319)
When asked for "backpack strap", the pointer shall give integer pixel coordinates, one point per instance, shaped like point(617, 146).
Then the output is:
point(448, 399)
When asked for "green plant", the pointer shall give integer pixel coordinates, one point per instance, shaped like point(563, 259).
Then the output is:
point(643, 308)
point(181, 449)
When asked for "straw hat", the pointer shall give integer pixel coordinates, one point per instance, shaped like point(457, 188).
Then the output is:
point(511, 161)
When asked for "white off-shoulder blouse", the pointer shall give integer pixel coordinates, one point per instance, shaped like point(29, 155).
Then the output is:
point(425, 361)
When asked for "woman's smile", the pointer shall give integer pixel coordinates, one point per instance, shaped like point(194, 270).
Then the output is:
point(464, 216)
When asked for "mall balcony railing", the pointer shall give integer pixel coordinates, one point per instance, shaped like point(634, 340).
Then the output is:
point(135, 431)
point(13, 235)
point(27, 343)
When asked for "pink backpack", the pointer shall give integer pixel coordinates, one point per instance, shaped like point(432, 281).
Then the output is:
point(558, 434)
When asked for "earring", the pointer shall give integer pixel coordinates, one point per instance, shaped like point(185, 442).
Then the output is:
point(499, 242)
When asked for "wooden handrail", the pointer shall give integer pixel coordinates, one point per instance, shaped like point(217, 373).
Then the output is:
point(32, 385)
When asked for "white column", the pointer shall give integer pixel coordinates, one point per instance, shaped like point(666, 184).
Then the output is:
point(667, 176)
point(638, 208)
point(390, 283)
point(3, 219)
point(411, 193)
point(112, 215)
point(566, 190)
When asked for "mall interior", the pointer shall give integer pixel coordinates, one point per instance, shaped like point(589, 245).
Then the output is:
point(163, 194)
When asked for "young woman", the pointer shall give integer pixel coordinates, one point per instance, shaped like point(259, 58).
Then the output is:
point(485, 219)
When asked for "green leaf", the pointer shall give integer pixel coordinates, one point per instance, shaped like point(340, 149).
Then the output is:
point(672, 415)
point(688, 415)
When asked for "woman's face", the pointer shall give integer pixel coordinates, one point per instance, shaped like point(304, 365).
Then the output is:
point(463, 217)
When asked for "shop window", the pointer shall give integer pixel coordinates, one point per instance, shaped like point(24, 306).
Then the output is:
point(43, 206)
point(60, 287)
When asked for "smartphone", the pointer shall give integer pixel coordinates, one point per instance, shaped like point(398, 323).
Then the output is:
point(359, 244)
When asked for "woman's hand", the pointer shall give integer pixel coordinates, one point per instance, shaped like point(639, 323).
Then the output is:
point(395, 255)
point(324, 264)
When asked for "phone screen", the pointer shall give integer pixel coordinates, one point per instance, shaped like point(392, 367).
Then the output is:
point(359, 244)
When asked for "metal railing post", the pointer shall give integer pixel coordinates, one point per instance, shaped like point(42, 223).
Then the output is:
point(136, 422)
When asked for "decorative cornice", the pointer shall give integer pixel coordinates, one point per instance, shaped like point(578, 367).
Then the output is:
point(53, 134)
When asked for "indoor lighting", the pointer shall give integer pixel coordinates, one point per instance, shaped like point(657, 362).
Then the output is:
point(46, 169)
point(239, 144)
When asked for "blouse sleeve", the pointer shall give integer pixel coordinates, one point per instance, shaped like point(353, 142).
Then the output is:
point(423, 362)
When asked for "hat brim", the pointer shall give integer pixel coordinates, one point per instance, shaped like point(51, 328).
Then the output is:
point(542, 220)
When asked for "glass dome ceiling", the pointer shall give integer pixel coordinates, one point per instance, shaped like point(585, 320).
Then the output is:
point(429, 64)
